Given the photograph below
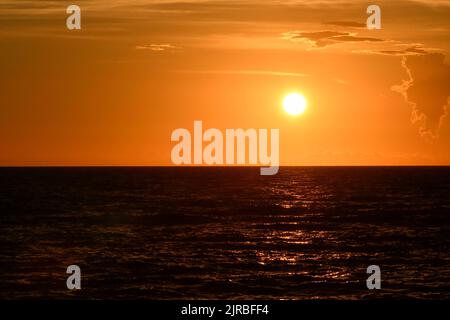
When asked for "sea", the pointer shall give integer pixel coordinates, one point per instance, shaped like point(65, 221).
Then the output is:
point(225, 232)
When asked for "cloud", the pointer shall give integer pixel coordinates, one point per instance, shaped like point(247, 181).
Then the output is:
point(157, 47)
point(409, 50)
point(427, 90)
point(341, 81)
point(247, 72)
point(350, 24)
point(326, 38)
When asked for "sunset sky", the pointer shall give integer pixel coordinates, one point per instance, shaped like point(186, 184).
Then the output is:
point(112, 92)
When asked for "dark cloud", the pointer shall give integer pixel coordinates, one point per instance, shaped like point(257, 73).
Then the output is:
point(404, 52)
point(351, 38)
point(427, 90)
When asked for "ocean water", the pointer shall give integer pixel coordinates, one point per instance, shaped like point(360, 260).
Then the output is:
point(225, 233)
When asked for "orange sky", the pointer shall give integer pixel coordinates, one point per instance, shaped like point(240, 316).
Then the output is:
point(112, 93)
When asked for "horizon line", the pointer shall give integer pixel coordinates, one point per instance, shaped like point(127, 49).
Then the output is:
point(218, 166)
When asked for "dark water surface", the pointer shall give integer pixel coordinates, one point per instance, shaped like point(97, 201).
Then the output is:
point(219, 233)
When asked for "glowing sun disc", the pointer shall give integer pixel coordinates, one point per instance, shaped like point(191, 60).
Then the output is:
point(294, 104)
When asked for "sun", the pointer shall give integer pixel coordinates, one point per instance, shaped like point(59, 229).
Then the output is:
point(295, 104)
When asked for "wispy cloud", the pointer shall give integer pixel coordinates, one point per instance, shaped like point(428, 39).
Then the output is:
point(246, 72)
point(400, 49)
point(157, 47)
point(341, 81)
point(351, 24)
point(326, 38)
